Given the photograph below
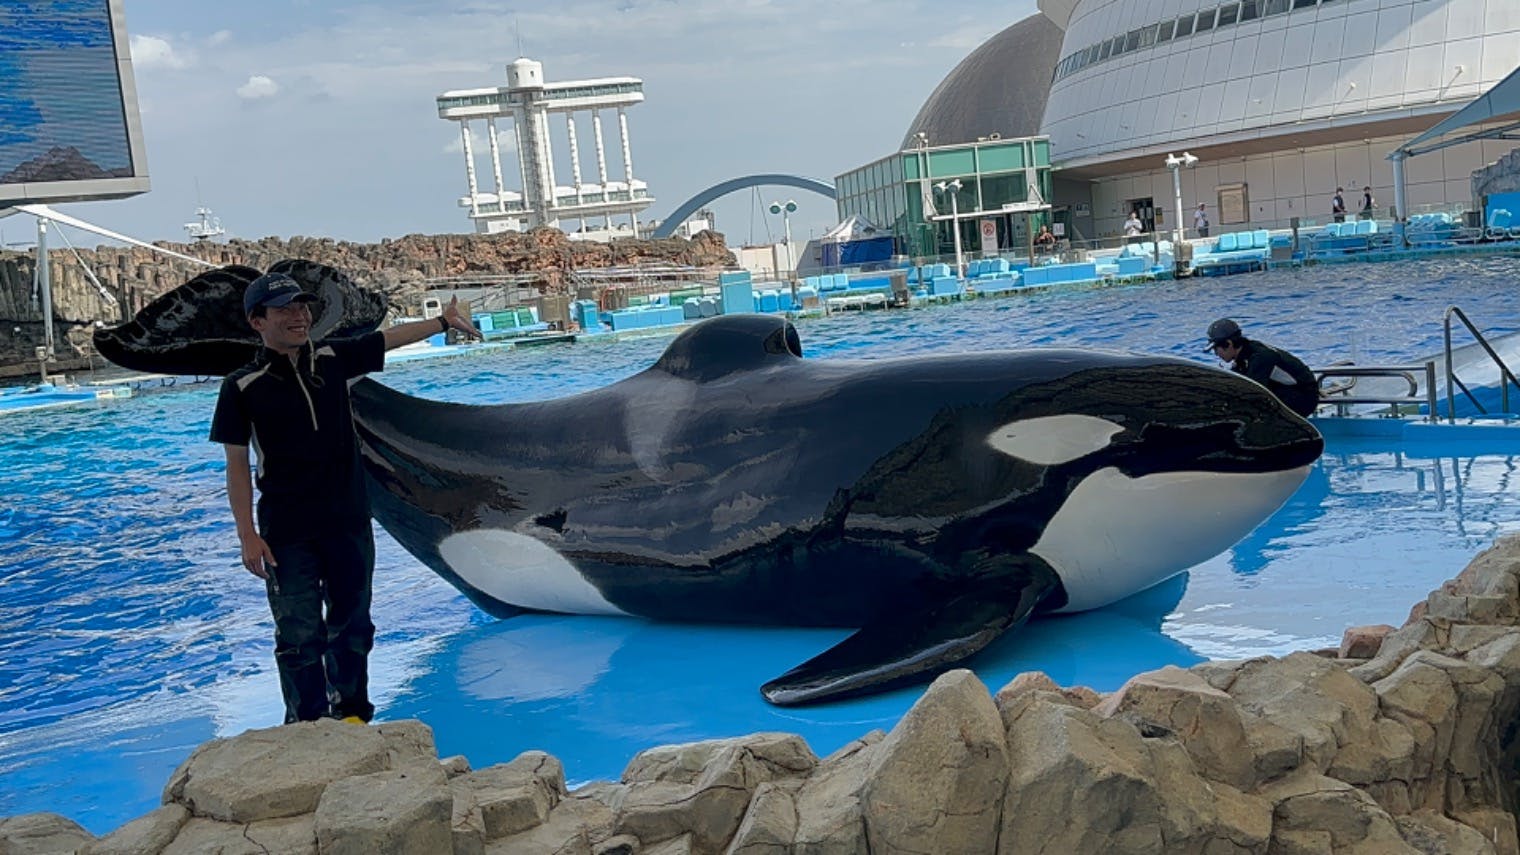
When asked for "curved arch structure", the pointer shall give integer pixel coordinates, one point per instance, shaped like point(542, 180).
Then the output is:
point(692, 205)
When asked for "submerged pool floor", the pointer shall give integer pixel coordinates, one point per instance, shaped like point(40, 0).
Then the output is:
point(129, 634)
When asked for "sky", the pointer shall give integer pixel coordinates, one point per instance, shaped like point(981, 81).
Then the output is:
point(307, 117)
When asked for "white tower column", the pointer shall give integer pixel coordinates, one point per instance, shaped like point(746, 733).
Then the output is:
point(601, 161)
point(501, 184)
point(539, 189)
point(575, 155)
point(469, 167)
point(627, 152)
point(549, 167)
point(601, 150)
point(633, 218)
point(522, 160)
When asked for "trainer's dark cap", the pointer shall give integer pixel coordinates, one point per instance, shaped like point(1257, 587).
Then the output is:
point(1222, 330)
point(273, 290)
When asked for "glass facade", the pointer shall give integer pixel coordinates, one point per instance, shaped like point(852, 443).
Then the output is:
point(898, 193)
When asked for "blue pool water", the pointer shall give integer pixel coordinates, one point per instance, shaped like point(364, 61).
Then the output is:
point(128, 634)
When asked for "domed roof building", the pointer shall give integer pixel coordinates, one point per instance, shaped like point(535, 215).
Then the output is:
point(990, 91)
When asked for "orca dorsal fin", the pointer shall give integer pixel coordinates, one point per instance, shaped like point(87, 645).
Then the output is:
point(729, 344)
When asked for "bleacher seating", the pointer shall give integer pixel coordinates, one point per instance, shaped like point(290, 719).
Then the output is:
point(1137, 259)
point(1233, 250)
point(508, 323)
point(831, 285)
point(1431, 229)
point(638, 317)
point(1341, 238)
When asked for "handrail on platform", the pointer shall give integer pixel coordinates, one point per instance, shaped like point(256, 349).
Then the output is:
point(1334, 397)
point(1506, 376)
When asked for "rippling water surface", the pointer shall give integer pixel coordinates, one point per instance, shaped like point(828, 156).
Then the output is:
point(129, 634)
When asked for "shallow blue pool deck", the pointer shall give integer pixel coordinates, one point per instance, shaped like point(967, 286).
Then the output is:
point(129, 634)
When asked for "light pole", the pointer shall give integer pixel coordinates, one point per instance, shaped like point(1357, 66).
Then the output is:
point(785, 209)
point(954, 187)
point(1176, 163)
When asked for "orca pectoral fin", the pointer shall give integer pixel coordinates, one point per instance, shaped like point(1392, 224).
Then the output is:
point(924, 639)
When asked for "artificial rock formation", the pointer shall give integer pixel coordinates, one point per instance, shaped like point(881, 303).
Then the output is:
point(1501, 176)
point(1409, 752)
point(401, 268)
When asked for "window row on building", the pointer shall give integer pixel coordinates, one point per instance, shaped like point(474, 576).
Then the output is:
point(1191, 24)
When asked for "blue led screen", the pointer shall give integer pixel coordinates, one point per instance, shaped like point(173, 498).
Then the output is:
point(66, 112)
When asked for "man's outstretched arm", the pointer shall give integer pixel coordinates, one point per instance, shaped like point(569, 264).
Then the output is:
point(404, 334)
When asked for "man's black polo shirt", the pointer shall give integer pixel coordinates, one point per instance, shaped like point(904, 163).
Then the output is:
point(296, 417)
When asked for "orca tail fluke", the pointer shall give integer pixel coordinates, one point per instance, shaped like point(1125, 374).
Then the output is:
point(199, 328)
point(913, 646)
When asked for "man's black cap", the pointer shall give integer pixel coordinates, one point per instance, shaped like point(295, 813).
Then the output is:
point(1222, 330)
point(274, 290)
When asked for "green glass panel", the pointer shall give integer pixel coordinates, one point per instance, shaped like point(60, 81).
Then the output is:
point(948, 164)
point(910, 166)
point(1042, 152)
point(999, 190)
point(1002, 158)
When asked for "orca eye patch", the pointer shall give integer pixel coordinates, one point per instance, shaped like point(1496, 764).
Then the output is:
point(1049, 440)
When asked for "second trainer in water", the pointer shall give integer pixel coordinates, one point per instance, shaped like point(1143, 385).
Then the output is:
point(1280, 371)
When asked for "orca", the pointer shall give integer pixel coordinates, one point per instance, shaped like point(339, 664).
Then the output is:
point(932, 503)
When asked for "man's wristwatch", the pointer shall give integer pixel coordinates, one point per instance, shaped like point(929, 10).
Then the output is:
point(443, 323)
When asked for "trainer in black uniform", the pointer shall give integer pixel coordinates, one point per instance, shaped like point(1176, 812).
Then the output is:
point(313, 544)
point(1280, 371)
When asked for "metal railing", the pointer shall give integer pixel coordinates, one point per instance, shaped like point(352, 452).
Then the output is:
point(1506, 376)
point(1340, 395)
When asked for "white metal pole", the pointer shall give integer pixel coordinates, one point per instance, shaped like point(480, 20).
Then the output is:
point(955, 225)
point(45, 286)
point(1177, 189)
point(1400, 203)
point(791, 263)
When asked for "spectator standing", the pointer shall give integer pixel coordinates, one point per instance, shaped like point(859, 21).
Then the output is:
point(1201, 221)
point(1338, 205)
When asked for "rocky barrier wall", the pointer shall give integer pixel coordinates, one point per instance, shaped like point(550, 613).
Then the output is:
point(1412, 750)
point(400, 268)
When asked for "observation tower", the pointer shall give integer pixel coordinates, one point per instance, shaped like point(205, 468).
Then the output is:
point(540, 199)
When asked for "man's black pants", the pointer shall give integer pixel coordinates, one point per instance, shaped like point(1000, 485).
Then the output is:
point(324, 659)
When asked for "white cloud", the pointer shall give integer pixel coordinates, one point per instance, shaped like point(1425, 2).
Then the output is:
point(154, 52)
point(966, 38)
point(218, 38)
point(506, 141)
point(258, 86)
